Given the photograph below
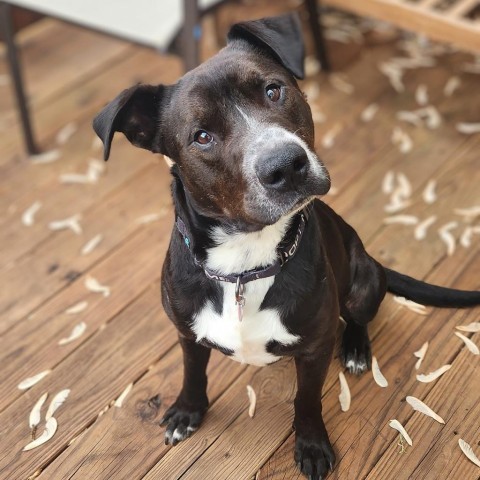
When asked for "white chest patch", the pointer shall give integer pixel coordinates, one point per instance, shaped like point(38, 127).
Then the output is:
point(247, 339)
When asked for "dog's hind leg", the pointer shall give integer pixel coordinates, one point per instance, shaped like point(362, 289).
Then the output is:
point(367, 289)
point(186, 414)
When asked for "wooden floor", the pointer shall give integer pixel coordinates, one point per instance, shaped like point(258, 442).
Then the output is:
point(71, 74)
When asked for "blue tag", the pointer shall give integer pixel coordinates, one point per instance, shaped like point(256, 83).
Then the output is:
point(187, 242)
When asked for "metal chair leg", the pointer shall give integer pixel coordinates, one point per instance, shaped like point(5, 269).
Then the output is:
point(317, 34)
point(190, 34)
point(12, 53)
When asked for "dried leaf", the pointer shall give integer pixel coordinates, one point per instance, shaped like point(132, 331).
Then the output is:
point(419, 406)
point(318, 116)
point(395, 424)
point(369, 112)
point(252, 398)
point(431, 115)
point(421, 95)
point(377, 374)
point(411, 305)
point(95, 169)
point(93, 285)
point(402, 140)
point(63, 136)
point(468, 214)
point(35, 414)
point(420, 354)
point(45, 157)
point(473, 327)
point(409, 117)
point(329, 138)
point(77, 308)
point(50, 429)
point(447, 237)
point(57, 401)
point(77, 332)
point(466, 237)
point(340, 83)
point(429, 195)
point(468, 128)
point(388, 182)
point(71, 222)
point(149, 218)
point(74, 178)
point(402, 219)
point(91, 244)
point(471, 68)
point(404, 186)
point(430, 377)
point(29, 214)
point(468, 451)
point(344, 396)
point(451, 86)
point(468, 343)
point(119, 401)
point(396, 205)
point(31, 381)
point(394, 74)
point(312, 66)
point(420, 231)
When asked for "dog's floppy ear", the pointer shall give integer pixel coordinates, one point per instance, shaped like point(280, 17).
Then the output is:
point(281, 36)
point(134, 112)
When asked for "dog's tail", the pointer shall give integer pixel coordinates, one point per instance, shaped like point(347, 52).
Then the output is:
point(428, 294)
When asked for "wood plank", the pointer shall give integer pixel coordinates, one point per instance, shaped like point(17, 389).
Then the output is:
point(245, 438)
point(127, 280)
point(57, 259)
point(125, 442)
point(96, 373)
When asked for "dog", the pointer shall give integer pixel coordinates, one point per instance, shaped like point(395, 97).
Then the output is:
point(257, 267)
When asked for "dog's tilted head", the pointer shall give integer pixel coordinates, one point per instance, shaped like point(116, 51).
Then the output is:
point(237, 127)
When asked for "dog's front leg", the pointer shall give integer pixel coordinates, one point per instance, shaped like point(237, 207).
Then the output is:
point(313, 452)
point(186, 414)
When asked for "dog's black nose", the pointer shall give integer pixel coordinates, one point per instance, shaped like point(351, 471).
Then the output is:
point(284, 169)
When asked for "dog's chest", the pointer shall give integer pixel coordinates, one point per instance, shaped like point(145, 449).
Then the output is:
point(247, 338)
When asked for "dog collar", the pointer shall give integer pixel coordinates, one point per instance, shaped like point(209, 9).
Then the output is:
point(284, 254)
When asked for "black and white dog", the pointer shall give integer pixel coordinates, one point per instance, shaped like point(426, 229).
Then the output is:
point(257, 267)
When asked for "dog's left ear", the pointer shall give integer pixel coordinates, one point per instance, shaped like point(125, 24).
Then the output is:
point(280, 36)
point(134, 112)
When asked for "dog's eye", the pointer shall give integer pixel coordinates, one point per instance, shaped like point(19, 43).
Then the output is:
point(202, 137)
point(273, 92)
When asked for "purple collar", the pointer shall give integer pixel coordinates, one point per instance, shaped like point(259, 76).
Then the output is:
point(284, 254)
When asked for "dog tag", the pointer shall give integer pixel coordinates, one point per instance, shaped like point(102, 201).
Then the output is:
point(239, 298)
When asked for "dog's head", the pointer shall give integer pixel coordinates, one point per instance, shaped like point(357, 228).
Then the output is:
point(237, 127)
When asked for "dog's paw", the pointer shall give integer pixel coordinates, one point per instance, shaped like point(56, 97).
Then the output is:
point(356, 354)
point(314, 458)
point(181, 422)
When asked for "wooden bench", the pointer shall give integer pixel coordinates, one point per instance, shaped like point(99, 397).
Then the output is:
point(457, 22)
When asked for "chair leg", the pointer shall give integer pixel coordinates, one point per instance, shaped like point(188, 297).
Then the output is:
point(317, 34)
point(190, 34)
point(7, 30)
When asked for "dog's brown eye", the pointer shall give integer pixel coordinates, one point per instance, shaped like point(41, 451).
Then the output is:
point(273, 92)
point(202, 137)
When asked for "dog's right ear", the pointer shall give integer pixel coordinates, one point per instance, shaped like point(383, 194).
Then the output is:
point(135, 113)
